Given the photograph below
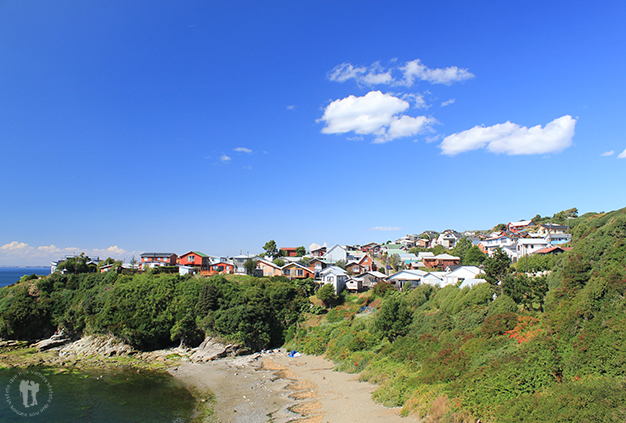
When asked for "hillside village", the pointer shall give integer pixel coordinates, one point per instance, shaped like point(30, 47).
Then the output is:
point(427, 258)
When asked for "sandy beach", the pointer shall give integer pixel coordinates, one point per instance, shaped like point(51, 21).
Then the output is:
point(278, 388)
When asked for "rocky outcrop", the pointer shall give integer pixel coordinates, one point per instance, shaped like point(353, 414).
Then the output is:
point(97, 345)
point(52, 342)
point(211, 349)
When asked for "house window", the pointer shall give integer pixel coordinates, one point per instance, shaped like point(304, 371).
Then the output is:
point(190, 258)
point(300, 272)
point(286, 271)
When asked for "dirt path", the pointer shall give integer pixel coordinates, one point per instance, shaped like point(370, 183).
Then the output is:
point(278, 388)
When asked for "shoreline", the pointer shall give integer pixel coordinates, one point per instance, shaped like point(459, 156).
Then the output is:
point(278, 388)
point(257, 388)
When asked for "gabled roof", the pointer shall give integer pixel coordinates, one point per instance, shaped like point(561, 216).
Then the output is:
point(298, 265)
point(196, 253)
point(408, 275)
point(552, 249)
point(269, 263)
point(336, 270)
point(157, 255)
point(445, 257)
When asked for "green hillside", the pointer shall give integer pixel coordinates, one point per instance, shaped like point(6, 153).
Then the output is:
point(521, 349)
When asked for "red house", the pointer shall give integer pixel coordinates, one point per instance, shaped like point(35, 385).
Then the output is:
point(441, 261)
point(157, 259)
point(288, 252)
point(195, 259)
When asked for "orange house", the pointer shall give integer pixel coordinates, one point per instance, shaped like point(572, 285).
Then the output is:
point(220, 268)
point(297, 271)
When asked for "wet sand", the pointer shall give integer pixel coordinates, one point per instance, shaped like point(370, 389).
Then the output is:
point(278, 388)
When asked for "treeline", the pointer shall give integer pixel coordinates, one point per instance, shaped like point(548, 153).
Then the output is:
point(153, 310)
point(522, 348)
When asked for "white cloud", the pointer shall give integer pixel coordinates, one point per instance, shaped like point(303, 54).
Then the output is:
point(291, 107)
point(15, 247)
point(376, 74)
point(416, 70)
point(406, 126)
point(362, 75)
point(113, 251)
point(448, 102)
point(20, 253)
point(242, 150)
point(622, 155)
point(224, 158)
point(607, 153)
point(386, 228)
point(373, 114)
point(512, 139)
point(417, 99)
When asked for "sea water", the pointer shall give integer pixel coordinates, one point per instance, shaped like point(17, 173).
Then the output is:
point(121, 396)
point(10, 275)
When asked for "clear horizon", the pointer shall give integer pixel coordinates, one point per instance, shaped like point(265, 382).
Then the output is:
point(134, 127)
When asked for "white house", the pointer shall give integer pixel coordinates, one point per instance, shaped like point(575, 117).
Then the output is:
point(434, 278)
point(460, 274)
point(404, 277)
point(336, 253)
point(335, 276)
point(529, 246)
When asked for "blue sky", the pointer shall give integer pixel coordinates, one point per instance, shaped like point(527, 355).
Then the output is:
point(128, 127)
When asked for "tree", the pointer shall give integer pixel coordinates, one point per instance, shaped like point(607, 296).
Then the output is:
point(327, 294)
point(279, 262)
point(395, 262)
point(462, 247)
point(271, 250)
point(78, 264)
point(250, 266)
point(474, 256)
point(393, 318)
point(499, 227)
point(497, 268)
point(300, 251)
point(341, 263)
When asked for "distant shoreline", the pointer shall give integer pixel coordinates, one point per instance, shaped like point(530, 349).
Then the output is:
point(25, 267)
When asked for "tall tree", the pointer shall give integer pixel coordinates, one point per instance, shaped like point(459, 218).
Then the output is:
point(271, 250)
point(497, 269)
point(462, 247)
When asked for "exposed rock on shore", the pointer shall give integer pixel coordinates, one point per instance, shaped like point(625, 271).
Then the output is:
point(97, 346)
point(52, 342)
point(210, 350)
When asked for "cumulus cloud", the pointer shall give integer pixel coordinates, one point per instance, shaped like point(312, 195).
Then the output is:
point(14, 246)
point(512, 139)
point(20, 253)
point(224, 158)
point(448, 102)
point(375, 114)
point(607, 153)
point(386, 228)
point(622, 155)
point(414, 70)
point(242, 150)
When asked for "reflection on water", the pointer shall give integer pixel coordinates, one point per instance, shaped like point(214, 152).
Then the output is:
point(93, 396)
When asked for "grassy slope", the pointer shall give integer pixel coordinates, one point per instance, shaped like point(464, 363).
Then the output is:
point(465, 356)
